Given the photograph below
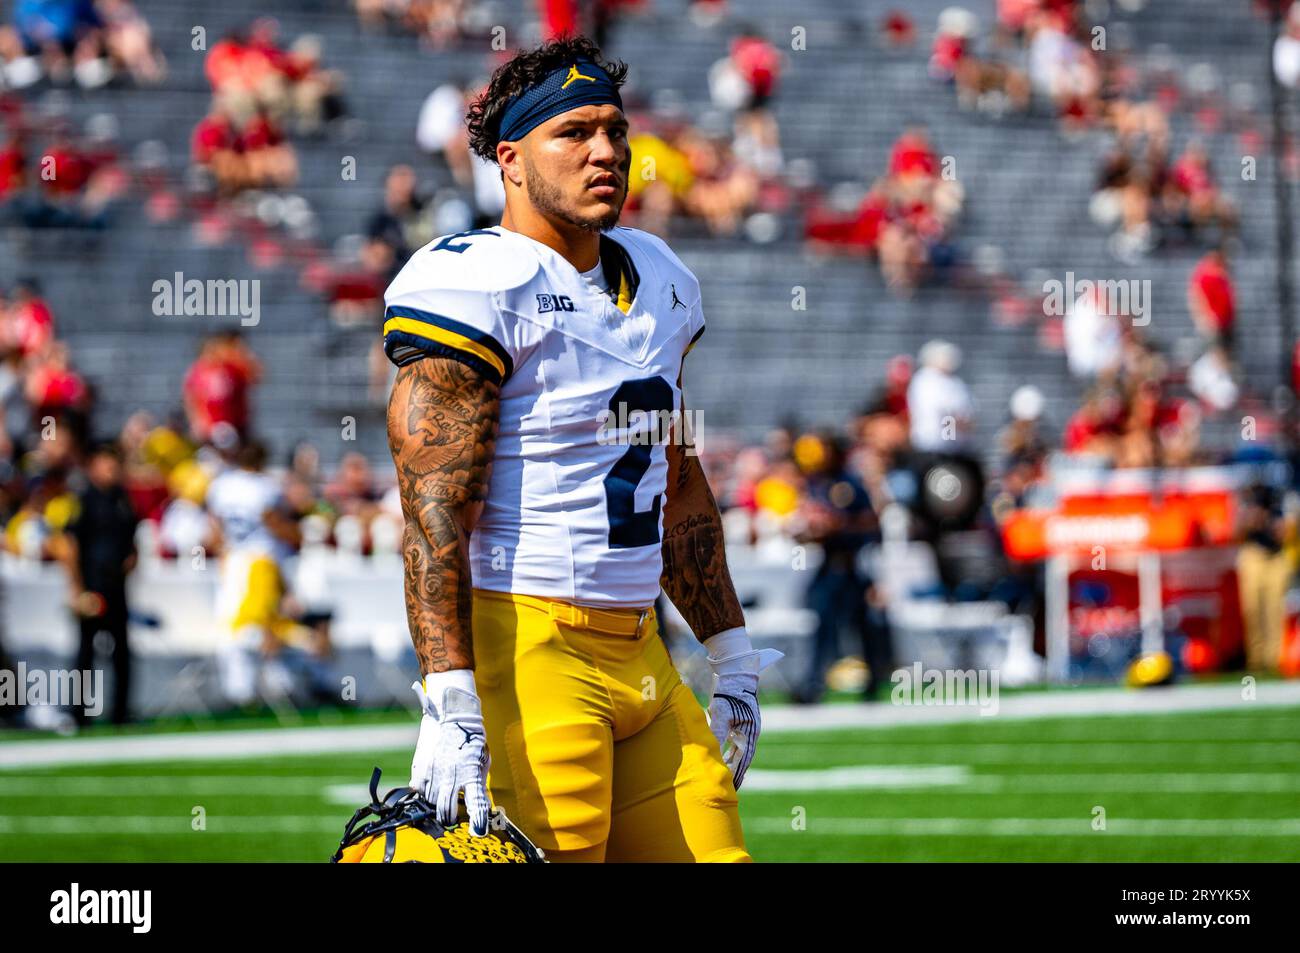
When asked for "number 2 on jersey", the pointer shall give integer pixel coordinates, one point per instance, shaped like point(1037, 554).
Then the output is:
point(627, 527)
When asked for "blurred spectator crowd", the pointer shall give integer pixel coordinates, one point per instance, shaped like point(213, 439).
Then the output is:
point(904, 220)
point(89, 43)
point(259, 88)
point(909, 447)
point(53, 177)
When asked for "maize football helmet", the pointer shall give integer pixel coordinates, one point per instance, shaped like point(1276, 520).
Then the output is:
point(402, 828)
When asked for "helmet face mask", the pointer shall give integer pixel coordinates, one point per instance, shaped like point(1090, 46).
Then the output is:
point(402, 827)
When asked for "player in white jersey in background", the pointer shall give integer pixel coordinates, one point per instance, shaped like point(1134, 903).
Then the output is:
point(539, 360)
point(256, 536)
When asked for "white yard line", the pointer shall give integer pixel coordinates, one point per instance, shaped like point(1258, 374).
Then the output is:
point(236, 744)
point(162, 785)
point(859, 777)
point(177, 824)
point(1063, 753)
point(1153, 701)
point(1025, 827)
point(957, 779)
point(1182, 783)
point(204, 745)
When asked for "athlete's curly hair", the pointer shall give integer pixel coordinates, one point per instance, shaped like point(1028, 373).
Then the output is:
point(524, 70)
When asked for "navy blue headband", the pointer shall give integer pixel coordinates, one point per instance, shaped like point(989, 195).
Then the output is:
point(581, 83)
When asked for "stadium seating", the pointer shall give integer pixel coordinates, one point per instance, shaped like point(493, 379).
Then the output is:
point(762, 360)
point(841, 104)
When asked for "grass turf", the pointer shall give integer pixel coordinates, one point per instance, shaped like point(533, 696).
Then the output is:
point(1214, 786)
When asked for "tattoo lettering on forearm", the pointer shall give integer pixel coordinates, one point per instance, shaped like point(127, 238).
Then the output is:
point(442, 422)
point(695, 575)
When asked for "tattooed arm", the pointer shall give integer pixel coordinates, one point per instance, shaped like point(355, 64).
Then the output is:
point(442, 426)
point(698, 582)
point(695, 575)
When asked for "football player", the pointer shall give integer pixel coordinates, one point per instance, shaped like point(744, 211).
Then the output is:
point(538, 535)
point(256, 536)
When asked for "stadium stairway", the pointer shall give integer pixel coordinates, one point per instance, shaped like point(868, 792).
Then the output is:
point(841, 104)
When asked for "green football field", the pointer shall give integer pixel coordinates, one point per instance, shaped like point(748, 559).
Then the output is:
point(1199, 786)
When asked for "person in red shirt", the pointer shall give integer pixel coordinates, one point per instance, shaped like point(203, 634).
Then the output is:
point(1093, 428)
point(264, 41)
point(266, 68)
point(913, 155)
point(858, 231)
point(218, 384)
point(64, 169)
point(271, 160)
point(223, 65)
point(898, 375)
point(1191, 172)
point(1193, 193)
point(214, 134)
point(946, 55)
point(236, 352)
point(245, 72)
point(215, 146)
point(1211, 299)
point(206, 391)
point(53, 387)
point(759, 64)
point(11, 168)
point(1014, 15)
point(31, 320)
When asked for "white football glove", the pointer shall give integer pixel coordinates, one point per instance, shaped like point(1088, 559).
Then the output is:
point(733, 709)
point(451, 753)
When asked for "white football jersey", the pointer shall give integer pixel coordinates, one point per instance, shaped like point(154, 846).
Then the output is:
point(239, 499)
point(574, 508)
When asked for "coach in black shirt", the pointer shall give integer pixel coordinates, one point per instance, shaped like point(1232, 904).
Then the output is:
point(100, 554)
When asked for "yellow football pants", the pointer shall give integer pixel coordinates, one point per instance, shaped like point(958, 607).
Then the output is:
point(599, 752)
point(263, 589)
point(252, 587)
